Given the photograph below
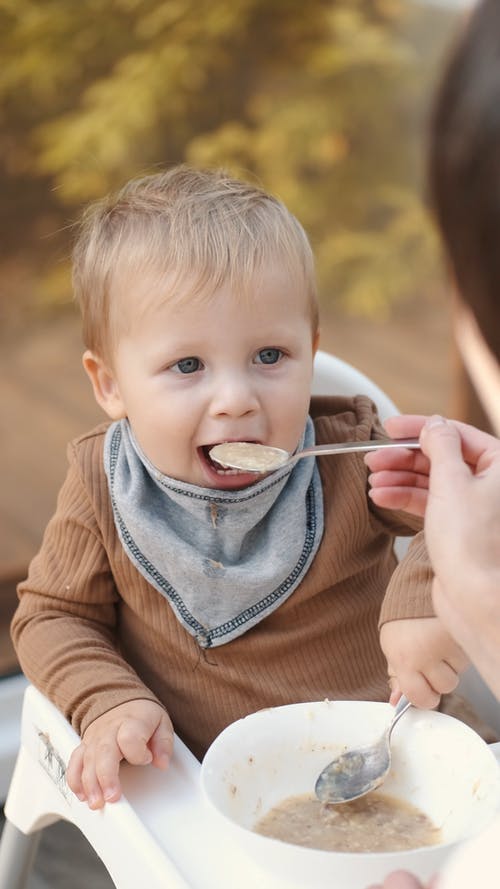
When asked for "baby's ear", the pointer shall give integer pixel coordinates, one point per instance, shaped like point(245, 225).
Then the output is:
point(105, 386)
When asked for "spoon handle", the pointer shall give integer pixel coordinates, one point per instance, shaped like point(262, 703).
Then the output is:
point(401, 707)
point(347, 447)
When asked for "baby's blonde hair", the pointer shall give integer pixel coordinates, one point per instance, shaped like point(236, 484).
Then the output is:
point(183, 225)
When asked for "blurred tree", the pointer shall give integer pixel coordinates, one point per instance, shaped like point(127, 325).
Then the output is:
point(322, 102)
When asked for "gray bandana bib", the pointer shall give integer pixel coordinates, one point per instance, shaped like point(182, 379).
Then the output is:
point(224, 560)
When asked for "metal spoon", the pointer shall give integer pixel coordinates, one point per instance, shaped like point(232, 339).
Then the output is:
point(252, 457)
point(360, 770)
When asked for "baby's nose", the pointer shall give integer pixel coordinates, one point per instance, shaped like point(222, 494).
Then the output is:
point(234, 396)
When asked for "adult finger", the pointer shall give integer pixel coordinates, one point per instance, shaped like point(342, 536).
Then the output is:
point(397, 459)
point(411, 500)
point(404, 425)
point(401, 879)
point(474, 442)
point(388, 478)
point(458, 448)
point(442, 443)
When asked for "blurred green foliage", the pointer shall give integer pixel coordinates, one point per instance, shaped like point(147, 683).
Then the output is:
point(323, 102)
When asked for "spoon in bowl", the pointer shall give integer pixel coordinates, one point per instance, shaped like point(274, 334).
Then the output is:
point(251, 457)
point(360, 770)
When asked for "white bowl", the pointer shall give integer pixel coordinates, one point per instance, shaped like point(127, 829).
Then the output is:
point(439, 765)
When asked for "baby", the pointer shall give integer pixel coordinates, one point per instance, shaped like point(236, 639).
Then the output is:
point(170, 592)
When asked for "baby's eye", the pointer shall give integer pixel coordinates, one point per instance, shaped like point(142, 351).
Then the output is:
point(268, 356)
point(187, 365)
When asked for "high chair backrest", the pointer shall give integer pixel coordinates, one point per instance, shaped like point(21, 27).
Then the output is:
point(333, 376)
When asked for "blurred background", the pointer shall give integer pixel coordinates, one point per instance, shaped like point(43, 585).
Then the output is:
point(325, 103)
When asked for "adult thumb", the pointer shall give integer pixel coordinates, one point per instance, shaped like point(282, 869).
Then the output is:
point(440, 441)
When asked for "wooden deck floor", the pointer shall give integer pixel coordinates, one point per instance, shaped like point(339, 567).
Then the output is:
point(46, 400)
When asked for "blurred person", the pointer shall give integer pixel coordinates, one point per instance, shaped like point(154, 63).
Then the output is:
point(170, 591)
point(455, 482)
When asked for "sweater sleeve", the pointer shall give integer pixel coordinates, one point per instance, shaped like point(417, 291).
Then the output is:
point(64, 627)
point(409, 592)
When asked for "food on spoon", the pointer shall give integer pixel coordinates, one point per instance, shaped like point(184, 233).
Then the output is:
point(248, 455)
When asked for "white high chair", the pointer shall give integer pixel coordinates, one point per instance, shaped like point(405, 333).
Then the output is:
point(159, 834)
point(12, 689)
point(333, 376)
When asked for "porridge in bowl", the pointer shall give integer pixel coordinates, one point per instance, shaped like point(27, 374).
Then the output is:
point(439, 765)
point(373, 823)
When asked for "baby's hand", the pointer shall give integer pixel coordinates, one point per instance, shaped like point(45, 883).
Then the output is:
point(423, 660)
point(139, 732)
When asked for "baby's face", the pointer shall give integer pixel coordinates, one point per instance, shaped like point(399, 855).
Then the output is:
point(222, 369)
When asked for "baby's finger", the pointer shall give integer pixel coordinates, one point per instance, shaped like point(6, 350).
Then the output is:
point(393, 684)
point(395, 696)
point(418, 690)
point(107, 765)
point(162, 744)
point(133, 742)
point(442, 677)
point(92, 789)
point(74, 772)
point(458, 660)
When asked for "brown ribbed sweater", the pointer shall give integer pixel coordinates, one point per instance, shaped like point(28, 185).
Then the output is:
point(91, 633)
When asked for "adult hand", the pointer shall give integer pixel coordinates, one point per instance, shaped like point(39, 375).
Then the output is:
point(403, 880)
point(462, 533)
point(139, 732)
point(462, 527)
point(399, 477)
